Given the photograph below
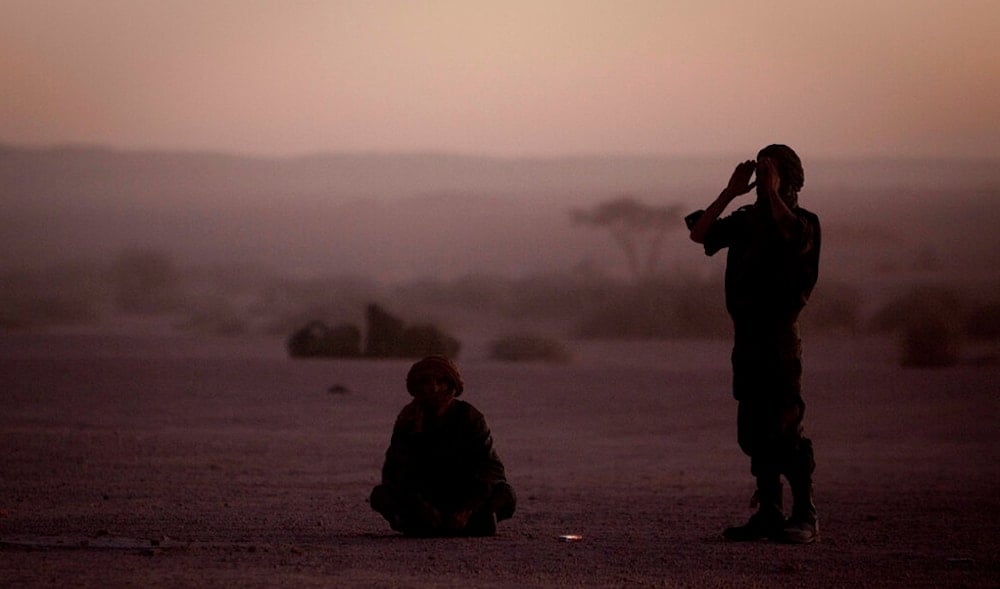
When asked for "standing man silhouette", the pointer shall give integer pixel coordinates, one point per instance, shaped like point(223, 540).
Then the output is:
point(771, 268)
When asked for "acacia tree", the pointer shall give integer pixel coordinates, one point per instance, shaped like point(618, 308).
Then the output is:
point(639, 229)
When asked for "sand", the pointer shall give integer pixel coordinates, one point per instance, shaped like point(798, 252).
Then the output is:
point(171, 461)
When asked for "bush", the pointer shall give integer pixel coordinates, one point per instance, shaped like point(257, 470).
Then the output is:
point(658, 310)
point(929, 342)
point(528, 348)
point(983, 322)
point(218, 319)
point(145, 282)
point(554, 298)
point(68, 294)
point(919, 302)
point(928, 321)
point(385, 333)
point(835, 307)
point(316, 340)
point(390, 337)
point(418, 341)
point(47, 311)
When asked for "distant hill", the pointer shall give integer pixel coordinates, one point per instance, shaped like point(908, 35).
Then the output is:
point(77, 174)
point(94, 175)
point(404, 215)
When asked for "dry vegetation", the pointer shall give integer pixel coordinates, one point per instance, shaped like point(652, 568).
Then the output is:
point(902, 253)
point(930, 320)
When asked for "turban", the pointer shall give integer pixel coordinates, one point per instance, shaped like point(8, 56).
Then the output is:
point(789, 168)
point(438, 364)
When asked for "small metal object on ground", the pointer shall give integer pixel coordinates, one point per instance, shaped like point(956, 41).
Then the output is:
point(570, 538)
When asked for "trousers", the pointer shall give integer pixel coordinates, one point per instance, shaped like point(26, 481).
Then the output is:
point(767, 377)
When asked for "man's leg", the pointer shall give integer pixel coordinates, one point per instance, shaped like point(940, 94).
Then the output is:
point(385, 502)
point(768, 521)
point(756, 441)
point(802, 526)
point(498, 507)
point(410, 515)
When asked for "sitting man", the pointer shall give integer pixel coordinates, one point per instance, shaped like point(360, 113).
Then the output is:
point(441, 475)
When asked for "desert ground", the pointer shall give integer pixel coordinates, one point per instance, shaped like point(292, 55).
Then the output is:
point(154, 460)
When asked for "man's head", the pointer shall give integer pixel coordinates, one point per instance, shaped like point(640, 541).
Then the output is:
point(789, 168)
point(435, 380)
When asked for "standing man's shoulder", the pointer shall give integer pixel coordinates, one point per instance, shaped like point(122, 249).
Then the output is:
point(809, 234)
point(739, 214)
point(810, 220)
point(807, 214)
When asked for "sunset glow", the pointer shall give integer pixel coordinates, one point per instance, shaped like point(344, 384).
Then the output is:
point(893, 78)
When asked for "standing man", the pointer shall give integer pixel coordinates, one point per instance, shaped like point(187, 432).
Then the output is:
point(771, 268)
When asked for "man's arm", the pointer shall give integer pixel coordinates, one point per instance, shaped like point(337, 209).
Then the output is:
point(784, 218)
point(739, 184)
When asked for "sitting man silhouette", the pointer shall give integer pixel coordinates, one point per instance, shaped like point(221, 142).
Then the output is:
point(441, 476)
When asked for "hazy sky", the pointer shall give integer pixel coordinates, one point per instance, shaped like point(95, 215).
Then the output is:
point(505, 77)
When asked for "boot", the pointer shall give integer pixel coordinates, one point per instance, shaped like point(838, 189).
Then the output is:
point(769, 520)
point(803, 525)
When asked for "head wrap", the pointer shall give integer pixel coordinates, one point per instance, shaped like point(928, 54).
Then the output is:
point(438, 364)
point(790, 170)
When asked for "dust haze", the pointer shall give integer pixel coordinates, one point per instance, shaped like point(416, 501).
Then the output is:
point(151, 408)
point(218, 243)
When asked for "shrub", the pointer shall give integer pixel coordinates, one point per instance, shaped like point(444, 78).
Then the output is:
point(983, 322)
point(390, 337)
point(217, 320)
point(385, 333)
point(69, 293)
point(834, 306)
point(658, 310)
point(928, 321)
point(418, 341)
point(47, 311)
point(145, 282)
point(917, 303)
point(929, 341)
point(317, 340)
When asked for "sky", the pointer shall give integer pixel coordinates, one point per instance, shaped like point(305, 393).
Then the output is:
point(511, 78)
